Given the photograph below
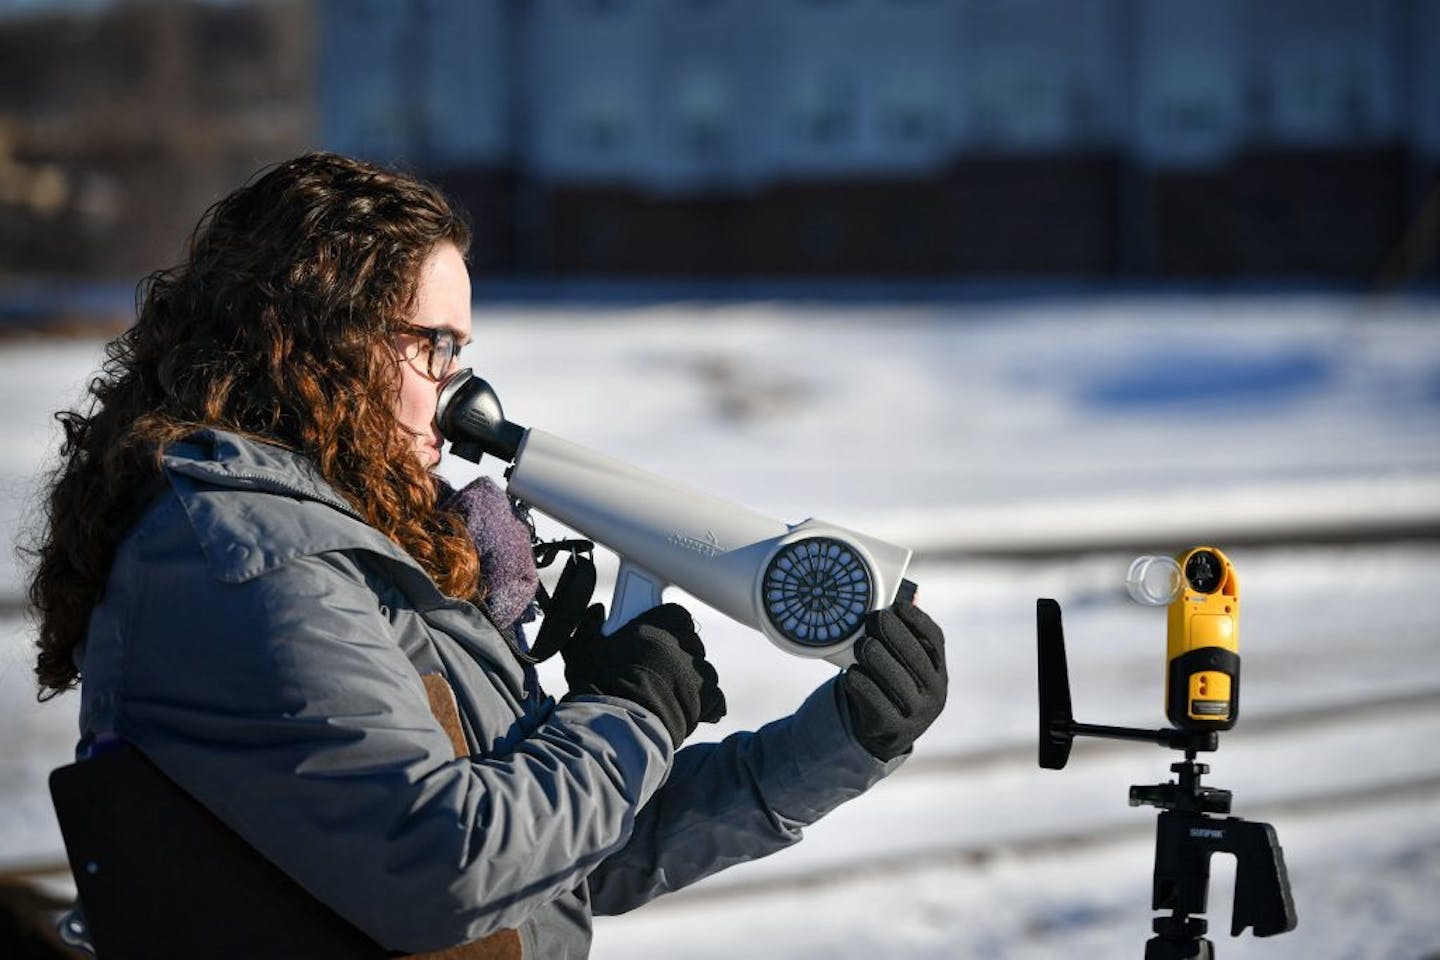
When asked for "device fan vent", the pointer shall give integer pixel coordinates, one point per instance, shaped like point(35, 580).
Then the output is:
point(817, 591)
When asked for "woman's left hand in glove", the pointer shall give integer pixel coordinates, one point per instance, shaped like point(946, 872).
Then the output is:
point(897, 685)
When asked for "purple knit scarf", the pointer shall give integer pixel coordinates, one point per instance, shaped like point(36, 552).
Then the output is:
point(502, 538)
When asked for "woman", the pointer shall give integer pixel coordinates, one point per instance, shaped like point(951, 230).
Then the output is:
point(247, 568)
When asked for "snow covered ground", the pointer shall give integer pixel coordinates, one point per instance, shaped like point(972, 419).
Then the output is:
point(1001, 439)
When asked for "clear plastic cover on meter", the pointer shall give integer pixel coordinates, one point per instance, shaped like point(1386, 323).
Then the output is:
point(1154, 581)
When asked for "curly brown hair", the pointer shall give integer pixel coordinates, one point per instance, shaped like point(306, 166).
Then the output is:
point(275, 326)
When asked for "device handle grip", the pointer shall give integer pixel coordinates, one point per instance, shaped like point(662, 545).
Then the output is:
point(636, 590)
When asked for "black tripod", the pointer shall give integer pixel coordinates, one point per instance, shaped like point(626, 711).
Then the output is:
point(1191, 826)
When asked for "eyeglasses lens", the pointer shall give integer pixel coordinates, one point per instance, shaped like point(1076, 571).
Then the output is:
point(443, 349)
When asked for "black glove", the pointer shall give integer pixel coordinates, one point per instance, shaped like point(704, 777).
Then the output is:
point(655, 660)
point(896, 688)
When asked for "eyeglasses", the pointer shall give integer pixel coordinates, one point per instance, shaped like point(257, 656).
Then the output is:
point(444, 348)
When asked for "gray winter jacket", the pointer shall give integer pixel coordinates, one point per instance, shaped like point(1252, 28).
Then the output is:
point(264, 647)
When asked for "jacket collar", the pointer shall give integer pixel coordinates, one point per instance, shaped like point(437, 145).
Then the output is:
point(254, 506)
point(224, 459)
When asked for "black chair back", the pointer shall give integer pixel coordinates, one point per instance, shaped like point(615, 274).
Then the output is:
point(159, 876)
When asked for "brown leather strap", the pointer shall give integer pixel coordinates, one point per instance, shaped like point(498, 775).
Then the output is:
point(503, 944)
point(446, 711)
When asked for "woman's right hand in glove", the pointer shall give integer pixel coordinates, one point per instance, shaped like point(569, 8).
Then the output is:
point(656, 660)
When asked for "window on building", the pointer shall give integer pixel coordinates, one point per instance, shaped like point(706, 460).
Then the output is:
point(826, 109)
point(911, 125)
point(702, 112)
point(1018, 98)
point(601, 131)
point(1319, 96)
point(910, 111)
point(1189, 115)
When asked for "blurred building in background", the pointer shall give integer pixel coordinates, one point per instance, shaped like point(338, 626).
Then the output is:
point(120, 123)
point(756, 138)
point(906, 137)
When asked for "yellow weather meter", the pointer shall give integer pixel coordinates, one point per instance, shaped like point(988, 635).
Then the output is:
point(1202, 657)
